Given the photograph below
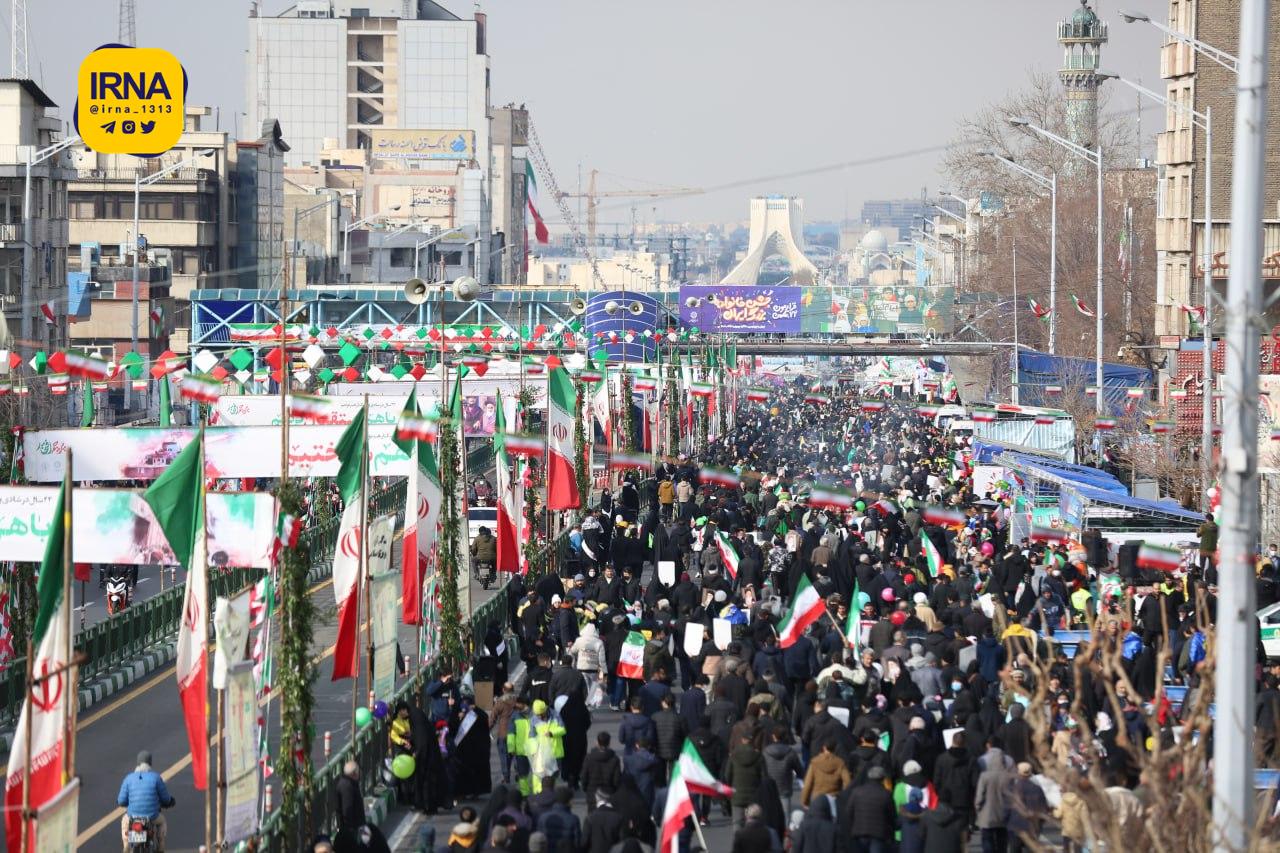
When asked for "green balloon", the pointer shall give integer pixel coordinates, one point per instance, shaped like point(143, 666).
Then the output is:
point(363, 717)
point(402, 766)
point(860, 506)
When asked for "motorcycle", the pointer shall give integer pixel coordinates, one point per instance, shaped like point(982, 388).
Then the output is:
point(118, 595)
point(484, 572)
point(141, 833)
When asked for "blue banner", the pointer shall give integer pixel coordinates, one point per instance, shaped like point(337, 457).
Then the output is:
point(741, 308)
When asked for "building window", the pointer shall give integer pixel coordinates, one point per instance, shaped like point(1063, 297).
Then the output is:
point(359, 13)
point(83, 206)
point(402, 257)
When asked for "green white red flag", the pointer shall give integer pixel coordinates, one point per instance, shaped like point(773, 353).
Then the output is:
point(806, 608)
point(348, 556)
point(931, 556)
point(720, 477)
point(830, 497)
point(1159, 557)
point(562, 462)
point(689, 776)
point(621, 460)
point(312, 408)
point(510, 499)
point(423, 496)
point(942, 516)
point(728, 553)
point(177, 499)
point(540, 232)
point(631, 657)
point(44, 708)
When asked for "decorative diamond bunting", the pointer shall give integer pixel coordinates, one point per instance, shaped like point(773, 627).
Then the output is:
point(240, 358)
point(325, 375)
point(418, 371)
point(350, 374)
point(204, 361)
point(399, 370)
point(131, 362)
point(348, 352)
point(243, 376)
point(312, 356)
point(302, 376)
point(218, 372)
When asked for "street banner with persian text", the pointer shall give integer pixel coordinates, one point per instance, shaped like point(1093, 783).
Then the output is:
point(242, 753)
point(740, 308)
point(117, 526)
point(383, 590)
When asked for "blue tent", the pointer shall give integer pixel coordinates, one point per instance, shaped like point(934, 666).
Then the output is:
point(1036, 370)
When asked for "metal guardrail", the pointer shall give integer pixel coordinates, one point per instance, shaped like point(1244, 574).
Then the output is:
point(125, 635)
point(369, 747)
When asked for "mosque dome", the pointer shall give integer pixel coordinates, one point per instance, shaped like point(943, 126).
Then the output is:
point(1084, 16)
point(874, 241)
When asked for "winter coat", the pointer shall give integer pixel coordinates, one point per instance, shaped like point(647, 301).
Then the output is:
point(670, 731)
point(955, 778)
point(943, 829)
point(721, 715)
point(588, 650)
point(602, 769)
point(867, 811)
point(817, 833)
point(634, 728)
point(641, 766)
point(991, 799)
point(602, 829)
point(348, 803)
point(782, 765)
point(828, 774)
point(746, 767)
point(693, 707)
point(800, 660)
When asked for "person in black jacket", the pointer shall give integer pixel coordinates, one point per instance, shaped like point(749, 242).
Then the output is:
point(348, 801)
point(955, 778)
point(867, 815)
point(670, 731)
point(693, 703)
point(754, 836)
point(602, 769)
point(604, 825)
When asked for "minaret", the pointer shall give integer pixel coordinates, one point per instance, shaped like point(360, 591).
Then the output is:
point(1082, 36)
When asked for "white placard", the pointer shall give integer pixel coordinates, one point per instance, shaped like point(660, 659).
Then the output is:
point(667, 572)
point(693, 638)
point(841, 714)
point(231, 627)
point(721, 632)
point(949, 735)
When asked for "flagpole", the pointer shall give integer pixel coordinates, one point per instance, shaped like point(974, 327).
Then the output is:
point(67, 562)
point(26, 764)
point(204, 533)
point(411, 511)
point(364, 552)
point(839, 629)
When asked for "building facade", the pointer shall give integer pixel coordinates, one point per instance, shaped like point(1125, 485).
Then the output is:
point(33, 254)
point(510, 197)
point(1082, 37)
point(1202, 84)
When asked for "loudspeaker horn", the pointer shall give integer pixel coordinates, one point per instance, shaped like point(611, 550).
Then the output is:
point(636, 308)
point(466, 289)
point(578, 305)
point(415, 290)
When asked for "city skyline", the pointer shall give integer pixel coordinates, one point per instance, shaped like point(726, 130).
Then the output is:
point(824, 101)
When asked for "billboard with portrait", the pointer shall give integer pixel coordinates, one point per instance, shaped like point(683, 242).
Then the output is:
point(479, 415)
point(740, 308)
point(887, 310)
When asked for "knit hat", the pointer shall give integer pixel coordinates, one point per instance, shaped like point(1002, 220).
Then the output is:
point(539, 707)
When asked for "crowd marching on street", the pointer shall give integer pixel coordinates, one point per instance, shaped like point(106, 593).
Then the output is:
point(817, 631)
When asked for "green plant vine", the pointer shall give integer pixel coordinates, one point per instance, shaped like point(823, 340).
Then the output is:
point(296, 672)
point(452, 642)
point(581, 461)
point(628, 413)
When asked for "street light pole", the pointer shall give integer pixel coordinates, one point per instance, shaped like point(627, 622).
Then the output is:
point(1051, 184)
point(34, 158)
point(1205, 122)
point(347, 229)
point(1095, 157)
point(1237, 629)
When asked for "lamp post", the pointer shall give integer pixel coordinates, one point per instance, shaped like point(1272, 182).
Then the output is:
point(347, 229)
point(138, 183)
point(34, 158)
point(303, 213)
point(1221, 57)
point(1094, 157)
point(1050, 183)
point(1204, 121)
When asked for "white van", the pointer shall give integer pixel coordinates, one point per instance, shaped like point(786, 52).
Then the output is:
point(1269, 627)
point(947, 414)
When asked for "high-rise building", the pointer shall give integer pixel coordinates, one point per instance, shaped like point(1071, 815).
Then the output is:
point(1082, 37)
point(510, 141)
point(29, 123)
point(346, 69)
point(1204, 85)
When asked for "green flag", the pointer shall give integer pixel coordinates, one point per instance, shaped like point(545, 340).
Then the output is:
point(455, 401)
point(351, 456)
point(852, 625)
point(49, 589)
point(86, 411)
point(166, 418)
point(176, 498)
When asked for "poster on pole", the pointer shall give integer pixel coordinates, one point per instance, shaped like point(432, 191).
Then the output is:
point(231, 628)
point(57, 820)
point(383, 591)
point(117, 526)
point(241, 753)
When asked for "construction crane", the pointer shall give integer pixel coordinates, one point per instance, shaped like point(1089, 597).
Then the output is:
point(593, 196)
point(128, 23)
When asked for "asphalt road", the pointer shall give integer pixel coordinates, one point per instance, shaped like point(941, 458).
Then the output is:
point(152, 580)
point(148, 716)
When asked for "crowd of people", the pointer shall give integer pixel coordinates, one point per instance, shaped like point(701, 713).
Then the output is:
point(940, 710)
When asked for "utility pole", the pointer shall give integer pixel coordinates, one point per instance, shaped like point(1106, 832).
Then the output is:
point(18, 45)
point(1234, 803)
point(128, 23)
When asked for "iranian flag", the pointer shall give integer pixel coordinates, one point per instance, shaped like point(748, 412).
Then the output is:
point(1104, 423)
point(523, 444)
point(931, 556)
point(870, 405)
point(830, 497)
point(510, 499)
point(531, 193)
point(44, 709)
point(1053, 389)
point(720, 477)
point(562, 480)
point(1043, 419)
point(631, 658)
point(1159, 557)
point(177, 499)
point(701, 389)
point(310, 407)
point(757, 395)
point(348, 557)
point(1047, 534)
point(644, 383)
point(984, 416)
point(806, 608)
point(423, 496)
point(600, 409)
point(853, 624)
point(943, 517)
point(689, 776)
point(1039, 310)
point(620, 461)
point(1081, 306)
point(288, 528)
point(87, 366)
point(201, 388)
point(728, 553)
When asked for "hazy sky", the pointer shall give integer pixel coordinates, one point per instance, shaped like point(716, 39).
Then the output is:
point(698, 93)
